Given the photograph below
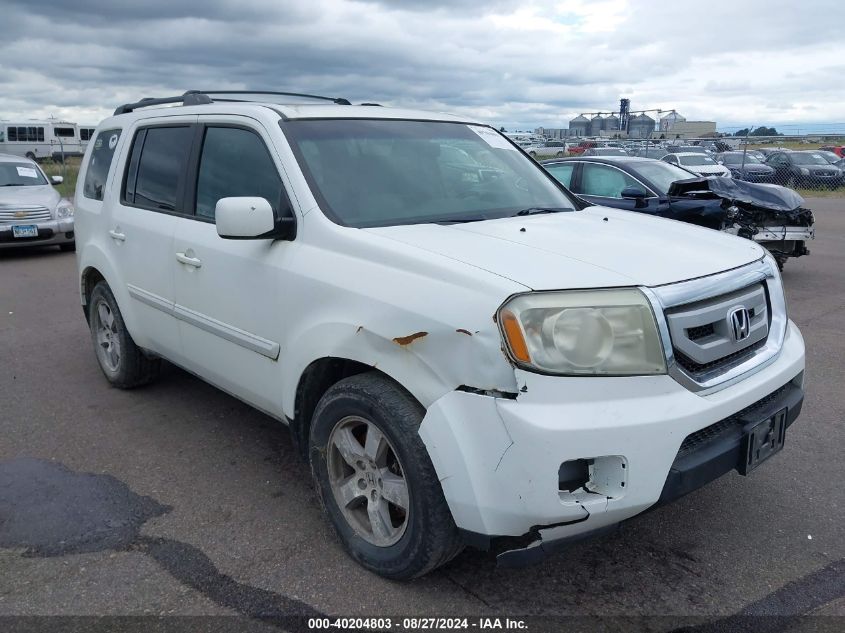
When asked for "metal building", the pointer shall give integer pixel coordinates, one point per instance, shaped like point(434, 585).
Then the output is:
point(596, 125)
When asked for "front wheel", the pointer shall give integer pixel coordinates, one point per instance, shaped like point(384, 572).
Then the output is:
point(123, 363)
point(375, 480)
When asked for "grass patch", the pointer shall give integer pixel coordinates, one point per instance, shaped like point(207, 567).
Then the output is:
point(69, 171)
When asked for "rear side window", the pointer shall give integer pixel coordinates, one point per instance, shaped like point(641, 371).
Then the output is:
point(99, 164)
point(157, 167)
point(562, 173)
point(235, 162)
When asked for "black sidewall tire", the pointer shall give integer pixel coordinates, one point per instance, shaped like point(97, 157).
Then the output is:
point(430, 537)
point(134, 369)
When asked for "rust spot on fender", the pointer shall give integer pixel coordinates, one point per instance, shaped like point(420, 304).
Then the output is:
point(407, 340)
point(461, 330)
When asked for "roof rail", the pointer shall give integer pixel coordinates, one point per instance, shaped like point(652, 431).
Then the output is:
point(337, 100)
point(200, 97)
point(189, 98)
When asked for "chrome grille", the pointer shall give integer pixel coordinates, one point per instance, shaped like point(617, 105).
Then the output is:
point(23, 214)
point(761, 280)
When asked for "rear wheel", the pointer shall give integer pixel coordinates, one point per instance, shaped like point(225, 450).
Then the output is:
point(30, 156)
point(123, 363)
point(375, 480)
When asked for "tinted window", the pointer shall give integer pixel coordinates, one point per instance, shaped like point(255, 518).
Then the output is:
point(383, 172)
point(235, 163)
point(64, 132)
point(99, 164)
point(661, 174)
point(562, 172)
point(605, 181)
point(159, 157)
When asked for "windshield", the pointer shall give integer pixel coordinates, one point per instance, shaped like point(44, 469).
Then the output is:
point(385, 172)
point(20, 175)
point(698, 159)
point(736, 159)
point(661, 174)
point(809, 159)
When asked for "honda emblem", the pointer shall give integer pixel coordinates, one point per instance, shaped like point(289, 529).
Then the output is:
point(739, 324)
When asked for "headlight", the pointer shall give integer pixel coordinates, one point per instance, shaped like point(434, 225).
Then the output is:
point(583, 333)
point(64, 210)
point(805, 171)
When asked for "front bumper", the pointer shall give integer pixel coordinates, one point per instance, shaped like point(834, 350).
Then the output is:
point(498, 459)
point(49, 232)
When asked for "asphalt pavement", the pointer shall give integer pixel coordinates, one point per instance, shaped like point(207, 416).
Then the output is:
point(176, 499)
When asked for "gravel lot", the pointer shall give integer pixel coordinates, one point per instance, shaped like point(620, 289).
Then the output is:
point(195, 504)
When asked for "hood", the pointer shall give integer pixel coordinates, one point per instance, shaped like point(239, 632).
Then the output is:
point(42, 195)
point(594, 248)
point(772, 197)
point(708, 169)
point(752, 168)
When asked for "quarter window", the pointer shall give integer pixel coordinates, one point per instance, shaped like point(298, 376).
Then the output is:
point(605, 181)
point(156, 169)
point(99, 164)
point(235, 162)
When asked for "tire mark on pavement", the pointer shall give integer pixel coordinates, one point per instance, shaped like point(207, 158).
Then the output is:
point(50, 510)
point(785, 607)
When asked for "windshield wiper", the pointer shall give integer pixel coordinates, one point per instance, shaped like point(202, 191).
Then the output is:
point(13, 184)
point(538, 210)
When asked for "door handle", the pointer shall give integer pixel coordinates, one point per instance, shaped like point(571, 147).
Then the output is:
point(188, 260)
point(117, 236)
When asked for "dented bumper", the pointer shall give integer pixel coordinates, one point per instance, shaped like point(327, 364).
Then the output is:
point(499, 459)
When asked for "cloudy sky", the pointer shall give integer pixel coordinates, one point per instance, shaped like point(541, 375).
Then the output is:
point(517, 63)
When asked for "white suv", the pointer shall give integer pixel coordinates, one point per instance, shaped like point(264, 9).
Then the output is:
point(465, 353)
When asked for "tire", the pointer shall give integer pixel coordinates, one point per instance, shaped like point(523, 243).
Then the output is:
point(559, 154)
point(410, 543)
point(68, 247)
point(123, 363)
point(791, 182)
point(30, 156)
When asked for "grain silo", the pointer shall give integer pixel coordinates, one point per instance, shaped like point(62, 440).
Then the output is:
point(641, 126)
point(579, 126)
point(611, 123)
point(596, 124)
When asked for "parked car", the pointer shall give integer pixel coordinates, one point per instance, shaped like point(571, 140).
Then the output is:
point(839, 150)
point(650, 152)
point(770, 215)
point(756, 153)
point(605, 151)
point(469, 356)
point(746, 167)
point(582, 147)
point(804, 169)
point(32, 212)
point(685, 149)
point(699, 164)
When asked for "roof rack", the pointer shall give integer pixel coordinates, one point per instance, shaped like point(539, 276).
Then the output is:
point(200, 97)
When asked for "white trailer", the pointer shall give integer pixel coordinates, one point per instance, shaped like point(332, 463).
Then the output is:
point(39, 139)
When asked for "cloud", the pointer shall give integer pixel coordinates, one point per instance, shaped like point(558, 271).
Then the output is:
point(518, 64)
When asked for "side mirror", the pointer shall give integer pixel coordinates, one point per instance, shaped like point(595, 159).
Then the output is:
point(247, 218)
point(56, 180)
point(634, 193)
